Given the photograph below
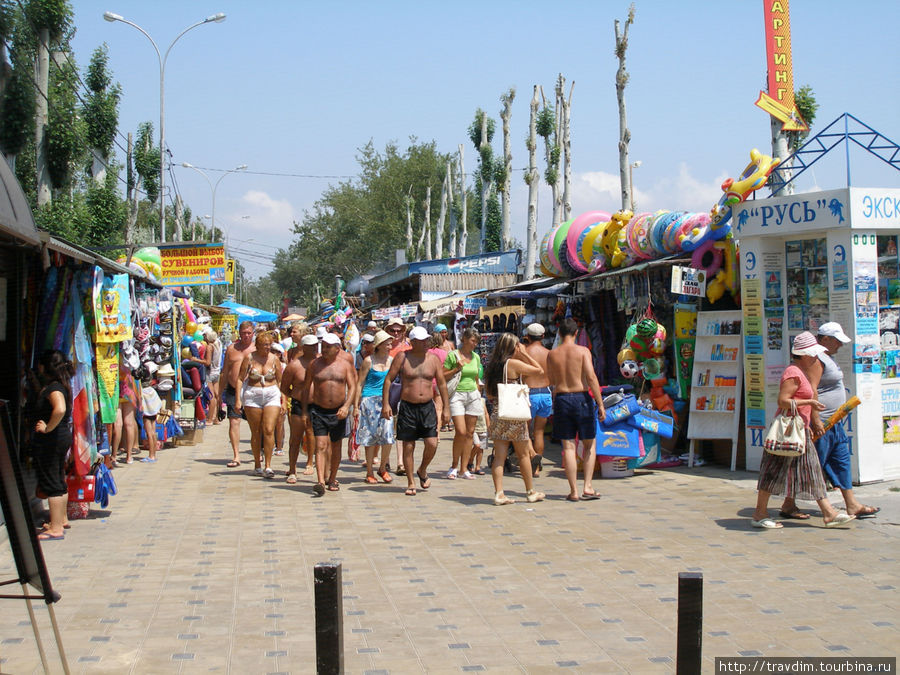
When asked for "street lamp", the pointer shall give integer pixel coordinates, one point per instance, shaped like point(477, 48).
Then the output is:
point(215, 18)
point(631, 167)
point(213, 187)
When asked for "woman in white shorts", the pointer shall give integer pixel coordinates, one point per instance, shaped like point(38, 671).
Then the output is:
point(465, 404)
point(262, 400)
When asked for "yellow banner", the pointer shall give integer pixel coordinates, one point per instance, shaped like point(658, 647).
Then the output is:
point(779, 100)
point(192, 264)
point(229, 271)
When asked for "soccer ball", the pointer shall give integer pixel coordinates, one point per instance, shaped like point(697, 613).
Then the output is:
point(629, 369)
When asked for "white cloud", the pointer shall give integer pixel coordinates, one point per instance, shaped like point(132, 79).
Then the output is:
point(268, 213)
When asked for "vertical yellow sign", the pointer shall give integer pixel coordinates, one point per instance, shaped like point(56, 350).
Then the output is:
point(779, 100)
point(229, 270)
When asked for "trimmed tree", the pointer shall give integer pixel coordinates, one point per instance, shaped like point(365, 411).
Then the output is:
point(621, 83)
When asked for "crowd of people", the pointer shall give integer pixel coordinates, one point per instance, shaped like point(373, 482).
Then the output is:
point(401, 385)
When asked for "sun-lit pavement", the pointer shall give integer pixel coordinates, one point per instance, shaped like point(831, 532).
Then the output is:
point(198, 568)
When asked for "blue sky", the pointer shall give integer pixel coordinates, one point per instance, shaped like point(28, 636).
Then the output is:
point(296, 87)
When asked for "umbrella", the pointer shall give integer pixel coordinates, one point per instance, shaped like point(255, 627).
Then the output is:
point(249, 313)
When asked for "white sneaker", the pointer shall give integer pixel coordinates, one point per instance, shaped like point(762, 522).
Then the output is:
point(451, 474)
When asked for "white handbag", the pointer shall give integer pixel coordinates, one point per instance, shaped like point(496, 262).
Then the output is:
point(453, 382)
point(513, 403)
point(786, 436)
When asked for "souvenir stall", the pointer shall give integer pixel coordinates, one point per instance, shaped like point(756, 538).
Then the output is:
point(807, 259)
point(634, 273)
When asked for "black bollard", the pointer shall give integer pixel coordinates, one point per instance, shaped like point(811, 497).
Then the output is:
point(690, 623)
point(329, 619)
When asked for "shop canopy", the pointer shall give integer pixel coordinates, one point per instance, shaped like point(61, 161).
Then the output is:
point(249, 313)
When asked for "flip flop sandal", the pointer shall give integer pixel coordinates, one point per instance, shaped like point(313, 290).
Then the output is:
point(319, 489)
point(589, 496)
point(767, 524)
point(425, 483)
point(385, 476)
point(794, 515)
point(371, 480)
point(233, 463)
point(291, 479)
point(410, 492)
point(867, 512)
point(333, 486)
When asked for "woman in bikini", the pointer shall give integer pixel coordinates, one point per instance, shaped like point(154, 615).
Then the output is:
point(261, 399)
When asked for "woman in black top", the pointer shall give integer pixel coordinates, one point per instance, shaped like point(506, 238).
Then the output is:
point(52, 437)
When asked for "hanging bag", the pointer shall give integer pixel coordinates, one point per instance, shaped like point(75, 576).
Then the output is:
point(453, 382)
point(786, 436)
point(513, 404)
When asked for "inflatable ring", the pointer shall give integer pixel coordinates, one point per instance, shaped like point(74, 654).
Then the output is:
point(591, 250)
point(707, 257)
point(636, 236)
point(578, 226)
point(558, 242)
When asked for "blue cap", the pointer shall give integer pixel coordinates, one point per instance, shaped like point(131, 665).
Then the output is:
point(440, 327)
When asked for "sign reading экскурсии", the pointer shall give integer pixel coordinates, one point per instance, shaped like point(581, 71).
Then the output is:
point(193, 264)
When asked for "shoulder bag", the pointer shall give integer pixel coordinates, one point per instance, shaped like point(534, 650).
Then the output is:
point(453, 382)
point(513, 403)
point(786, 436)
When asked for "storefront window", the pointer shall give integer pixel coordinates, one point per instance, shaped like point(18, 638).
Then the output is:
point(889, 306)
point(807, 284)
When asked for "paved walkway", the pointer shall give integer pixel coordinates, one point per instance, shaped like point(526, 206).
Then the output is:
point(199, 568)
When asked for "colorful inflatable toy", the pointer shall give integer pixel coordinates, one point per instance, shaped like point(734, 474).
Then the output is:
point(610, 241)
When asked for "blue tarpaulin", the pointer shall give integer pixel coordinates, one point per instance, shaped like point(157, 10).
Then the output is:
point(249, 313)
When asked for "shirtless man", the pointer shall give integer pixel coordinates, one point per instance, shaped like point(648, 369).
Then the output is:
point(539, 392)
point(416, 416)
point(234, 357)
point(328, 389)
point(292, 381)
point(571, 373)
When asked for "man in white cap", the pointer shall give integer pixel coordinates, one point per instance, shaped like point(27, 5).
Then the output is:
point(328, 392)
point(416, 417)
point(292, 381)
point(832, 446)
point(371, 328)
point(539, 392)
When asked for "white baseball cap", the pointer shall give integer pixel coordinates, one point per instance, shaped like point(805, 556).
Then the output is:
point(368, 337)
point(309, 340)
point(371, 324)
point(535, 330)
point(331, 339)
point(419, 333)
point(321, 331)
point(833, 329)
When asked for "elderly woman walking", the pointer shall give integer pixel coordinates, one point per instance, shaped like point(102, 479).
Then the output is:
point(796, 477)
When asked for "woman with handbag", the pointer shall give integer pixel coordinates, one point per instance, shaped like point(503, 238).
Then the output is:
point(465, 403)
point(800, 476)
point(509, 425)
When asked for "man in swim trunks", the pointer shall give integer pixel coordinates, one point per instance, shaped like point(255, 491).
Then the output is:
point(292, 380)
point(416, 416)
point(538, 392)
point(328, 389)
point(234, 357)
point(570, 371)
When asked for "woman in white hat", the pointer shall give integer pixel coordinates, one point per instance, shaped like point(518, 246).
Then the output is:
point(261, 399)
point(796, 477)
point(374, 430)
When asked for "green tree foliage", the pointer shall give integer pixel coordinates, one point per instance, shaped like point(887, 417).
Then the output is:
point(65, 131)
point(805, 100)
point(146, 161)
point(17, 107)
point(107, 212)
point(358, 224)
point(101, 107)
point(545, 126)
point(53, 15)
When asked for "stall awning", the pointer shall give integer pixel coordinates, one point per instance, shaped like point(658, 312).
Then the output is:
point(16, 219)
point(90, 257)
point(249, 313)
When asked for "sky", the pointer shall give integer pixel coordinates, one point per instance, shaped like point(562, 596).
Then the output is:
point(294, 88)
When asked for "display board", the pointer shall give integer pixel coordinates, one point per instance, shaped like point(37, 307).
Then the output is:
point(716, 381)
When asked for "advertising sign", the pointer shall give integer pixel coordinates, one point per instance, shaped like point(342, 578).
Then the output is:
point(779, 100)
point(193, 264)
point(688, 281)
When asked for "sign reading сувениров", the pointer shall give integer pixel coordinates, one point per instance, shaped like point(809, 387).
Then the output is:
point(192, 264)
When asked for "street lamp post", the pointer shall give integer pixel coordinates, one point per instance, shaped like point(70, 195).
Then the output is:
point(214, 18)
point(213, 187)
point(631, 167)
